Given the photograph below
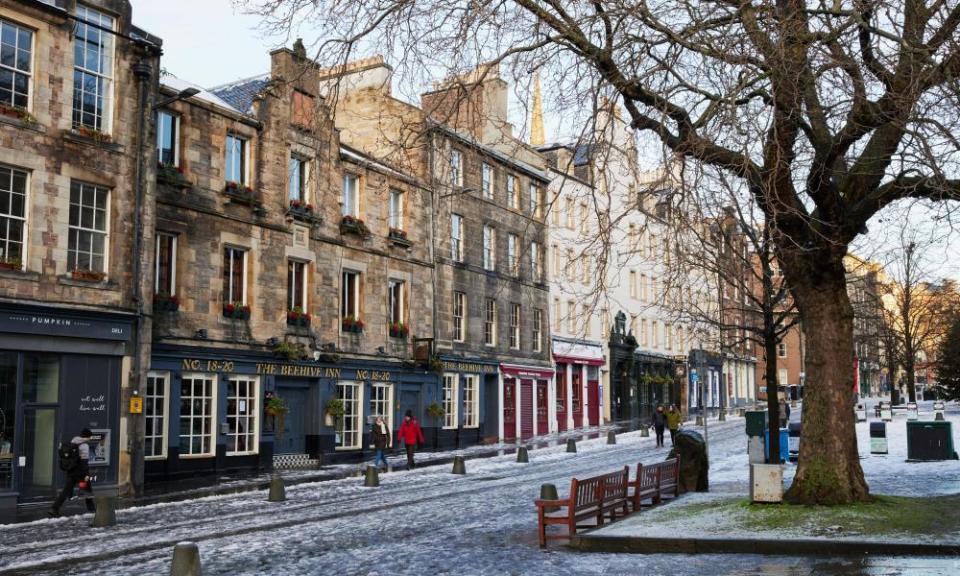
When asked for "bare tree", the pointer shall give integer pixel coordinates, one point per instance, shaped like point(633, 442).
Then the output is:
point(827, 113)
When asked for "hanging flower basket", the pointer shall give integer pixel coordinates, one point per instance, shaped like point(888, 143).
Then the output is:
point(276, 407)
point(334, 411)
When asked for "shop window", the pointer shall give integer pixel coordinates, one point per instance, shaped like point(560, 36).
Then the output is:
point(89, 210)
point(16, 61)
point(93, 69)
point(243, 429)
point(576, 386)
point(155, 401)
point(351, 195)
point(351, 429)
point(490, 323)
point(459, 318)
point(537, 330)
point(471, 402)
point(165, 279)
point(561, 387)
point(381, 404)
point(234, 275)
point(236, 160)
point(515, 326)
point(197, 411)
point(41, 378)
point(450, 416)
point(13, 216)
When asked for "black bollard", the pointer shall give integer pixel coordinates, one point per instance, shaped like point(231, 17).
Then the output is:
point(611, 437)
point(939, 416)
point(459, 466)
point(277, 491)
point(106, 514)
point(522, 456)
point(571, 445)
point(549, 492)
point(186, 560)
point(372, 478)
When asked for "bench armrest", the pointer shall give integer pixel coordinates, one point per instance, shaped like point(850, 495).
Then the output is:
point(558, 503)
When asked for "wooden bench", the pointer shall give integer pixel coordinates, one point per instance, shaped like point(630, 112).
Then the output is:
point(646, 486)
point(669, 478)
point(589, 499)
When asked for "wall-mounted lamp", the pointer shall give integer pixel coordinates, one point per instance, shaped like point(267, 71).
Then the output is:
point(201, 333)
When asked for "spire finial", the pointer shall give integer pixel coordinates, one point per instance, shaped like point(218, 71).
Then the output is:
point(536, 114)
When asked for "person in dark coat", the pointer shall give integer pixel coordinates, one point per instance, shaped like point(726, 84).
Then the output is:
point(79, 475)
point(381, 437)
point(410, 434)
point(659, 423)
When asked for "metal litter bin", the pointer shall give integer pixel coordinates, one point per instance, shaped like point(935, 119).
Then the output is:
point(930, 440)
point(912, 412)
point(861, 411)
point(794, 439)
point(886, 412)
point(878, 437)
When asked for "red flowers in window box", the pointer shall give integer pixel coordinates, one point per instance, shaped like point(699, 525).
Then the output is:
point(164, 302)
point(301, 205)
point(352, 324)
point(236, 310)
point(353, 225)
point(240, 193)
point(172, 175)
point(297, 317)
point(398, 330)
point(11, 264)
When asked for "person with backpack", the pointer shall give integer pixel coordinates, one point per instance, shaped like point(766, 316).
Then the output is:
point(410, 433)
point(75, 461)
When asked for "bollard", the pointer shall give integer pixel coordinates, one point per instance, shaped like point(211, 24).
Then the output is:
point(106, 514)
point(699, 421)
point(611, 437)
point(939, 416)
point(186, 560)
point(645, 432)
point(459, 466)
point(522, 456)
point(277, 491)
point(549, 492)
point(571, 445)
point(372, 478)
point(722, 416)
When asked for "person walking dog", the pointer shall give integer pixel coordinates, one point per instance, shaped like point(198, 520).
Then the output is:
point(410, 434)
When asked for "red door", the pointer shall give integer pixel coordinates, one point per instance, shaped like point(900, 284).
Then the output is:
point(526, 409)
point(543, 425)
point(509, 409)
point(593, 402)
point(576, 384)
point(562, 397)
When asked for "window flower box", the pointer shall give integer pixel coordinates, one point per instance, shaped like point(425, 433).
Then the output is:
point(352, 325)
point(303, 212)
point(236, 310)
point(172, 176)
point(353, 225)
point(17, 112)
point(88, 275)
point(297, 317)
point(93, 134)
point(165, 303)
point(241, 194)
point(399, 237)
point(11, 264)
point(398, 330)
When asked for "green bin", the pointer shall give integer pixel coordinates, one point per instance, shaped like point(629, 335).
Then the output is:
point(929, 440)
point(756, 422)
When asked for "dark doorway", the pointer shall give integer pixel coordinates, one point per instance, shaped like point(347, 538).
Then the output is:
point(292, 438)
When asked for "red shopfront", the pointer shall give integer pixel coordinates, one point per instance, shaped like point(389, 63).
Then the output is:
point(578, 395)
point(526, 401)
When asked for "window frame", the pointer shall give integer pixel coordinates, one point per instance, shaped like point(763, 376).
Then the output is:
point(449, 398)
point(489, 248)
point(357, 308)
point(486, 180)
point(515, 321)
point(380, 403)
point(252, 417)
point(456, 237)
point(398, 300)
point(536, 263)
point(150, 413)
point(74, 251)
point(355, 415)
point(513, 192)
point(174, 137)
point(157, 289)
point(23, 219)
point(395, 208)
point(513, 257)
point(242, 156)
point(350, 201)
point(292, 265)
point(456, 167)
point(210, 416)
point(15, 69)
point(471, 400)
point(459, 316)
point(537, 330)
point(781, 349)
point(490, 322)
point(301, 178)
point(228, 290)
point(104, 78)
point(536, 203)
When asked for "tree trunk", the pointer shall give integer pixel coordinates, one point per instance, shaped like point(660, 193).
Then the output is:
point(773, 404)
point(910, 367)
point(828, 471)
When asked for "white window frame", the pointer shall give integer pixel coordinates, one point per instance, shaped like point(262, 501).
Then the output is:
point(15, 70)
point(85, 16)
point(585, 313)
point(557, 315)
point(490, 322)
point(298, 179)
point(251, 416)
point(456, 167)
point(555, 252)
point(633, 284)
point(73, 251)
point(456, 237)
point(156, 408)
point(400, 301)
point(210, 416)
point(302, 280)
point(486, 180)
point(24, 219)
point(515, 321)
point(471, 401)
point(173, 264)
point(395, 208)
point(536, 267)
point(459, 316)
point(381, 404)
point(513, 192)
point(229, 290)
point(174, 137)
point(450, 399)
point(489, 247)
point(513, 259)
point(350, 195)
point(537, 332)
point(535, 204)
point(243, 157)
point(344, 307)
point(781, 349)
point(354, 415)
point(571, 217)
point(571, 317)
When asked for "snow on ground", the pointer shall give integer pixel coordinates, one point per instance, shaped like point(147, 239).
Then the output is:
point(425, 521)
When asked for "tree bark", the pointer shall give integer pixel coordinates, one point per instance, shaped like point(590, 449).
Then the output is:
point(773, 404)
point(828, 471)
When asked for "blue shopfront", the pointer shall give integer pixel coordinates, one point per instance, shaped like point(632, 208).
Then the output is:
point(222, 411)
point(469, 402)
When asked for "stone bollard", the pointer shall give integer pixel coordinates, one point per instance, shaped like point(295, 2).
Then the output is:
point(106, 514)
point(277, 491)
point(186, 560)
point(611, 437)
point(459, 466)
point(372, 478)
point(549, 492)
point(699, 421)
point(645, 432)
point(939, 416)
point(571, 445)
point(522, 456)
point(723, 416)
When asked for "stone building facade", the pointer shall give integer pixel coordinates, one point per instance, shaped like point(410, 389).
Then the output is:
point(74, 204)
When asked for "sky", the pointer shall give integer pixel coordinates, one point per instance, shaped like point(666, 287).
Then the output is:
point(211, 42)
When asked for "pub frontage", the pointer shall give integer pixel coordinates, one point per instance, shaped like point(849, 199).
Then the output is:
point(61, 370)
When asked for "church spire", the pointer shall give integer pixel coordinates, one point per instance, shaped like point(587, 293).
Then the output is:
point(536, 114)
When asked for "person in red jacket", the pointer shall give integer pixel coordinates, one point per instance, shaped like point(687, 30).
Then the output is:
point(410, 434)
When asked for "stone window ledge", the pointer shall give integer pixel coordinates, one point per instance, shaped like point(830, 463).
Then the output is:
point(36, 127)
point(72, 136)
point(101, 285)
point(20, 275)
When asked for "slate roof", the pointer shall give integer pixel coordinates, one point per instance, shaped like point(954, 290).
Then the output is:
point(240, 94)
point(176, 84)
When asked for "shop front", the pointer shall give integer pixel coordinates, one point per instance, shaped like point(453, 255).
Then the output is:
point(526, 394)
point(468, 406)
point(577, 392)
point(61, 370)
point(219, 411)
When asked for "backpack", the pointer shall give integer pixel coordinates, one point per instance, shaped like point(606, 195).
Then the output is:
point(69, 454)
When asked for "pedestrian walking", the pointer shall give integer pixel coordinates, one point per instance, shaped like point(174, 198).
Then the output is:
point(673, 423)
point(659, 421)
point(410, 433)
point(784, 413)
point(75, 461)
point(381, 436)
